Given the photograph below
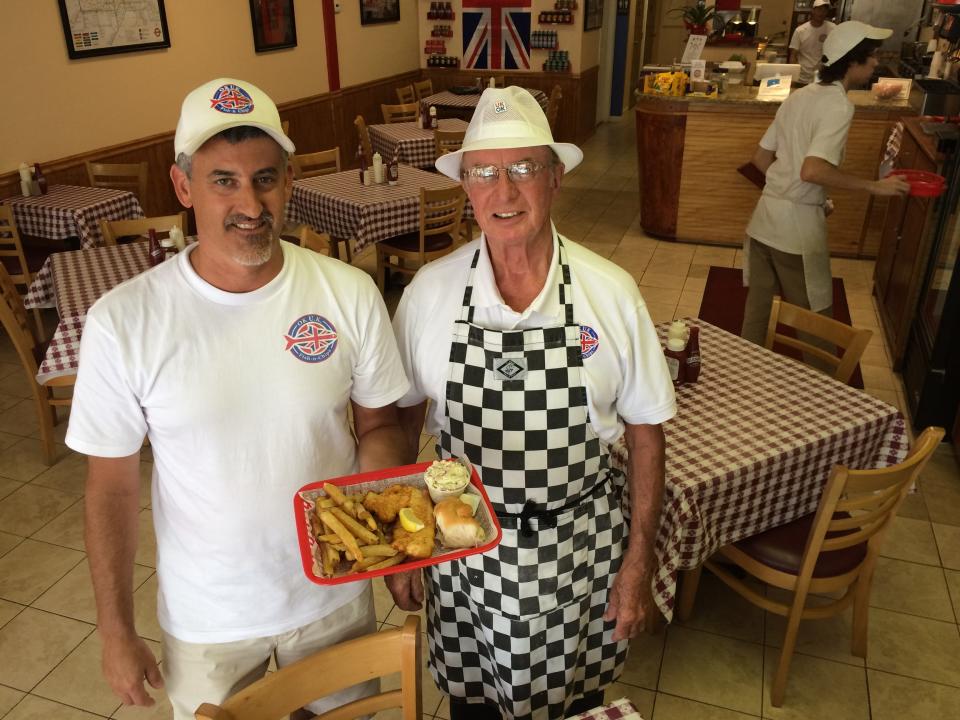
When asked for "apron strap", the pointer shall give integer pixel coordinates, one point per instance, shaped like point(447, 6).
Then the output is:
point(548, 518)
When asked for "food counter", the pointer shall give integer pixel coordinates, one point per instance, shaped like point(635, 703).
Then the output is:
point(689, 149)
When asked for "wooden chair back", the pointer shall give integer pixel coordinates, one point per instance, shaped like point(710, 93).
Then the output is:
point(11, 253)
point(422, 89)
point(499, 81)
point(13, 318)
point(405, 95)
point(400, 113)
point(306, 237)
point(553, 109)
point(324, 162)
point(445, 141)
point(441, 211)
point(852, 341)
point(363, 136)
point(140, 227)
point(375, 655)
point(120, 176)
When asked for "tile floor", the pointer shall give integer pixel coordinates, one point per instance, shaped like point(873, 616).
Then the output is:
point(716, 667)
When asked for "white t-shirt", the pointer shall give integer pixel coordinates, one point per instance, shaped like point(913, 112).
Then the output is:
point(808, 41)
point(244, 398)
point(626, 375)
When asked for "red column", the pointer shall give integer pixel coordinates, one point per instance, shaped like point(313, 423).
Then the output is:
point(330, 41)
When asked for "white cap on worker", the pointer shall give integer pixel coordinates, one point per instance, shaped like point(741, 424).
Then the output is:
point(222, 104)
point(821, 3)
point(846, 36)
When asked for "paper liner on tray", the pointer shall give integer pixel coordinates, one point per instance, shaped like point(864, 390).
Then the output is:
point(377, 481)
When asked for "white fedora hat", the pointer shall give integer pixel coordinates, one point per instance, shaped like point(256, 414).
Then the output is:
point(507, 118)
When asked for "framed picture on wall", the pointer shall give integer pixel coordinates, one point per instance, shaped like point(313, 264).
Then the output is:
point(108, 31)
point(592, 14)
point(379, 11)
point(274, 27)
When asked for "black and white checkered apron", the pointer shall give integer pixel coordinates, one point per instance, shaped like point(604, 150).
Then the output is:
point(521, 626)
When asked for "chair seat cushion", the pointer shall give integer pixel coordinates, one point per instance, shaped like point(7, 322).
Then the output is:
point(410, 242)
point(782, 549)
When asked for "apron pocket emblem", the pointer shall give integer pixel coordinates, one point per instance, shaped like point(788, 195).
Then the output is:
point(510, 369)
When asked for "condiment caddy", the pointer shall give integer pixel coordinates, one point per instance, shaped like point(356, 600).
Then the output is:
point(683, 353)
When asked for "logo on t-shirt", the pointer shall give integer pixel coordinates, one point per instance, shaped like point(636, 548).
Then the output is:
point(232, 99)
point(312, 339)
point(823, 38)
point(589, 341)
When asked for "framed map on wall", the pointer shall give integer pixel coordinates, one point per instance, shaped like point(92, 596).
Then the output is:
point(117, 27)
point(592, 14)
point(379, 11)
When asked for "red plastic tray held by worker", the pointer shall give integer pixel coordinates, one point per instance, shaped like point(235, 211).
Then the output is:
point(923, 183)
point(304, 502)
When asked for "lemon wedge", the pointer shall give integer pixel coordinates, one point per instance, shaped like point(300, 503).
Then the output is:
point(472, 500)
point(410, 522)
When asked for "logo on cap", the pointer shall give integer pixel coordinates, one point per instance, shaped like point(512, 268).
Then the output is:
point(311, 339)
point(589, 341)
point(499, 106)
point(232, 99)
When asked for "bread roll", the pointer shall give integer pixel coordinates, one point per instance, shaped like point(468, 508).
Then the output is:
point(456, 524)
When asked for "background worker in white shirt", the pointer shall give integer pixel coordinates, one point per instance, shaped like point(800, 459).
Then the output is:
point(806, 45)
point(786, 250)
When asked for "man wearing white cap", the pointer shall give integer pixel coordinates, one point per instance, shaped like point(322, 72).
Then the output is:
point(806, 45)
point(535, 354)
point(786, 250)
point(238, 360)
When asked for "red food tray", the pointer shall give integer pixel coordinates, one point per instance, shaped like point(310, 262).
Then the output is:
point(923, 183)
point(377, 481)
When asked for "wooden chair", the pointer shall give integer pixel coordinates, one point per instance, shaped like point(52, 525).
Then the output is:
point(499, 81)
point(829, 552)
point(440, 214)
point(112, 230)
point(445, 141)
point(810, 327)
point(400, 113)
point(121, 176)
point(335, 668)
point(553, 109)
point(305, 236)
point(11, 247)
point(13, 317)
point(422, 89)
point(364, 138)
point(406, 95)
point(308, 165)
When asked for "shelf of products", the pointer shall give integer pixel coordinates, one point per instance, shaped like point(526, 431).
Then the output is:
point(555, 17)
point(441, 31)
point(440, 11)
point(544, 40)
point(443, 61)
point(435, 47)
point(557, 61)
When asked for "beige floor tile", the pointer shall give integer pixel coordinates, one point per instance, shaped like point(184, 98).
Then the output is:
point(718, 256)
point(8, 486)
point(35, 642)
point(397, 617)
point(6, 440)
point(721, 611)
point(658, 295)
point(911, 540)
point(696, 284)
point(21, 419)
point(860, 301)
point(32, 567)
point(8, 542)
point(875, 356)
point(8, 698)
point(828, 639)
point(942, 494)
point(914, 506)
point(658, 280)
point(8, 401)
point(911, 588)
point(145, 607)
point(660, 312)
point(686, 311)
point(878, 377)
point(675, 251)
point(443, 712)
point(817, 689)
point(15, 385)
point(691, 297)
point(699, 272)
point(66, 529)
point(669, 707)
point(643, 661)
point(953, 585)
point(78, 680)
point(913, 646)
point(668, 266)
point(146, 541)
point(893, 697)
point(642, 699)
point(712, 669)
point(146, 472)
point(30, 507)
point(382, 600)
point(8, 611)
point(160, 710)
point(69, 475)
point(72, 596)
point(38, 708)
point(22, 460)
point(888, 396)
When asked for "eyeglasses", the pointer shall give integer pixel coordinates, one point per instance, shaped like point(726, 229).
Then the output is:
point(519, 172)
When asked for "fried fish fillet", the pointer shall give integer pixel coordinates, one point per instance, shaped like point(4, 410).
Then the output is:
point(387, 505)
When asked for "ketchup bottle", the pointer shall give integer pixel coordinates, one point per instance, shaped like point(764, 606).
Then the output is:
point(693, 355)
point(156, 252)
point(676, 360)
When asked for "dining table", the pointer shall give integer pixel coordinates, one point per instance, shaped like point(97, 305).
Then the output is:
point(455, 105)
point(413, 145)
point(339, 205)
point(752, 446)
point(72, 211)
point(622, 709)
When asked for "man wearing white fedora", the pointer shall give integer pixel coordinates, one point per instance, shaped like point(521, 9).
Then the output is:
point(535, 354)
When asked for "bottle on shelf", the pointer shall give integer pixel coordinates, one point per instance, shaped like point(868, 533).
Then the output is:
point(393, 169)
point(676, 360)
point(39, 177)
point(693, 354)
point(363, 162)
point(155, 251)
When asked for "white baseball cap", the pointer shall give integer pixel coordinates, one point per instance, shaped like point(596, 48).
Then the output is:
point(507, 118)
point(847, 35)
point(222, 104)
point(821, 3)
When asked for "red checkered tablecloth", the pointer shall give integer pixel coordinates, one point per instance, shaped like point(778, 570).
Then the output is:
point(447, 99)
point(74, 281)
point(72, 211)
point(621, 709)
point(751, 448)
point(339, 205)
point(414, 144)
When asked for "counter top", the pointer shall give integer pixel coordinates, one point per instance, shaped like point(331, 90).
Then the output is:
point(862, 100)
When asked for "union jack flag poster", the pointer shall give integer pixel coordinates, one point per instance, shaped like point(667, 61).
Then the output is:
point(496, 34)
